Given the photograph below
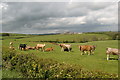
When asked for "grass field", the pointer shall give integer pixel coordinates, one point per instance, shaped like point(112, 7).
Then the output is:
point(0, 59)
point(90, 62)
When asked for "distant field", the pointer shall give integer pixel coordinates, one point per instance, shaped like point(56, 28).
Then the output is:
point(68, 38)
point(93, 62)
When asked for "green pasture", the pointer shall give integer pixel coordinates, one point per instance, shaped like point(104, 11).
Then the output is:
point(96, 62)
point(0, 59)
point(59, 38)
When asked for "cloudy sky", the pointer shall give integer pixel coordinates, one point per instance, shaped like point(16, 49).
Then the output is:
point(52, 17)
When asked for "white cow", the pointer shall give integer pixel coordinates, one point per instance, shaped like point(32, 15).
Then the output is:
point(40, 46)
point(65, 47)
point(112, 51)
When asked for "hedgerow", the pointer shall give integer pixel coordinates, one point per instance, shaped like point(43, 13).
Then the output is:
point(32, 66)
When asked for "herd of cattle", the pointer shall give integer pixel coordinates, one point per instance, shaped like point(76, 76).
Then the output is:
point(67, 47)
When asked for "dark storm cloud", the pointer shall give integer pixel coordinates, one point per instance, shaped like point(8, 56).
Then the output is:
point(40, 17)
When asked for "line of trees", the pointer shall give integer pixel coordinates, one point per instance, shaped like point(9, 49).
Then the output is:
point(4, 34)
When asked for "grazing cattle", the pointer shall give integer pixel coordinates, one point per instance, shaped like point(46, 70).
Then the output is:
point(89, 48)
point(40, 46)
point(11, 43)
point(49, 49)
point(22, 46)
point(65, 47)
point(112, 51)
point(12, 48)
point(30, 48)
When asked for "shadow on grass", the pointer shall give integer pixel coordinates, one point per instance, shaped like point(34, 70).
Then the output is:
point(112, 58)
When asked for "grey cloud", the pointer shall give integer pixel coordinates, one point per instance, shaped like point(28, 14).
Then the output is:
point(33, 17)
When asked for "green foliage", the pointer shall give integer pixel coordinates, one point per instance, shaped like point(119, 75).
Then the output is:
point(33, 67)
point(7, 54)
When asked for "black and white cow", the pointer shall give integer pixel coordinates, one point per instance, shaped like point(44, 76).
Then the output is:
point(22, 46)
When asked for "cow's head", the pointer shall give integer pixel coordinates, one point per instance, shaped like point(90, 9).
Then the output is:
point(60, 45)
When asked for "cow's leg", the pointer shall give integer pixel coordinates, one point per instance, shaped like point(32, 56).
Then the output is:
point(89, 52)
point(82, 52)
point(24, 49)
point(62, 49)
point(92, 52)
point(69, 49)
point(118, 57)
point(108, 56)
point(85, 52)
point(20, 48)
point(43, 49)
point(36, 48)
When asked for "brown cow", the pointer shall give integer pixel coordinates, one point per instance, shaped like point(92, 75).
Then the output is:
point(40, 46)
point(112, 51)
point(89, 48)
point(49, 49)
